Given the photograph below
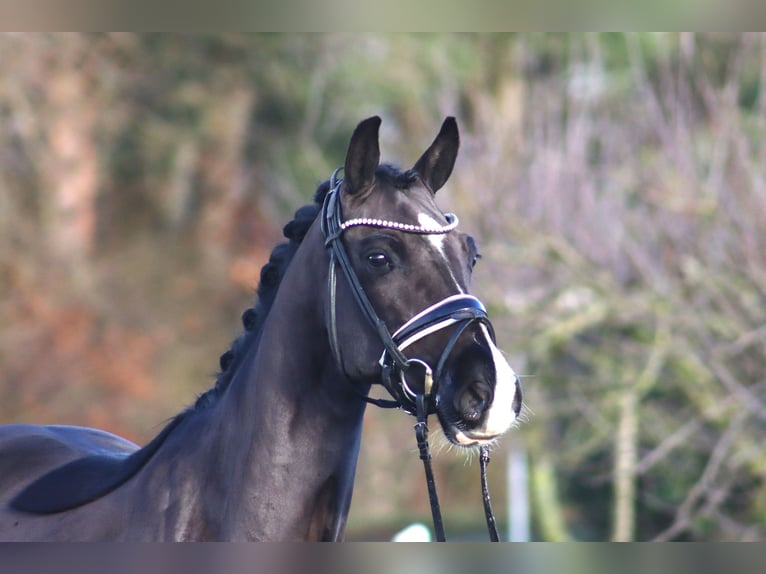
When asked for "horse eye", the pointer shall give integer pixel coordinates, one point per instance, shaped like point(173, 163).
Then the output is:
point(377, 260)
point(473, 250)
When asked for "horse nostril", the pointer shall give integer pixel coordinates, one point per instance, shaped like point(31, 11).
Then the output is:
point(517, 398)
point(473, 401)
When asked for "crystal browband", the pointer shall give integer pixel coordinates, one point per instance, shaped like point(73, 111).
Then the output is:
point(452, 222)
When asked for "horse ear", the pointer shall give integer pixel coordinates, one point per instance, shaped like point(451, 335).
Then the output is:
point(363, 156)
point(435, 165)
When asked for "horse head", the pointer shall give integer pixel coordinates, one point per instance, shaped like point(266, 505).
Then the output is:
point(409, 269)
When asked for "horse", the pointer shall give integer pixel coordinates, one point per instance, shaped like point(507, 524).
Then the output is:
point(370, 288)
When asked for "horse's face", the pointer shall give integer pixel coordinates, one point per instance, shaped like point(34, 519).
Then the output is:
point(478, 396)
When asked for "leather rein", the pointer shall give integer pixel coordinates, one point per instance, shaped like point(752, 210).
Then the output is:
point(457, 312)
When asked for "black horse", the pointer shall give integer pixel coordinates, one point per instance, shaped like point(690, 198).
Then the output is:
point(371, 288)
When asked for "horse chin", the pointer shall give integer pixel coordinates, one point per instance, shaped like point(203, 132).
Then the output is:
point(468, 439)
point(457, 432)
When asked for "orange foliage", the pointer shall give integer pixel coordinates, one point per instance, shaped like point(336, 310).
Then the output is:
point(245, 271)
point(67, 359)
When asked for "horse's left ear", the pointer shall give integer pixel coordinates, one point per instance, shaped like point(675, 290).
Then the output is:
point(435, 165)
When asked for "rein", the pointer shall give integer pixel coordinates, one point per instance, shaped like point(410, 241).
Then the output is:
point(457, 311)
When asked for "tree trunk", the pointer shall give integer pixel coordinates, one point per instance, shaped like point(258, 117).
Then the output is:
point(625, 457)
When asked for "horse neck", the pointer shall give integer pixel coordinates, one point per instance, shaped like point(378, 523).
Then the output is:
point(290, 426)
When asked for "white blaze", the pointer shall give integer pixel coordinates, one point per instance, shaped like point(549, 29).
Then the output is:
point(437, 240)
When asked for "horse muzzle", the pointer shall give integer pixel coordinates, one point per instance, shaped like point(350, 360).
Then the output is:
point(481, 396)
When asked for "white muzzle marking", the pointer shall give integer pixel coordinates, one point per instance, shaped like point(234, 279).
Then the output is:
point(500, 416)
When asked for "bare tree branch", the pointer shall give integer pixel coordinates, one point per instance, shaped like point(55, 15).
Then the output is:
point(702, 489)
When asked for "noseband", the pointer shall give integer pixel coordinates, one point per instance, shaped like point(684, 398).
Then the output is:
point(456, 311)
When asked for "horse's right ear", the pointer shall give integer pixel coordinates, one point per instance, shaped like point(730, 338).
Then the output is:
point(363, 156)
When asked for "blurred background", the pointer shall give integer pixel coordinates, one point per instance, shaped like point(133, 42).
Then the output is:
point(615, 183)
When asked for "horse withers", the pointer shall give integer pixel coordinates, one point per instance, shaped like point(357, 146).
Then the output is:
point(371, 287)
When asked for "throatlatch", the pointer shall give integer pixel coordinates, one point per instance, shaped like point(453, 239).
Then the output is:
point(457, 312)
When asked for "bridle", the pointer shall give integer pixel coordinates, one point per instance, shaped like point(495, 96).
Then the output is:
point(457, 312)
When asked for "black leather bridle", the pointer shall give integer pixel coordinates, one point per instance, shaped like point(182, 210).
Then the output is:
point(457, 312)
